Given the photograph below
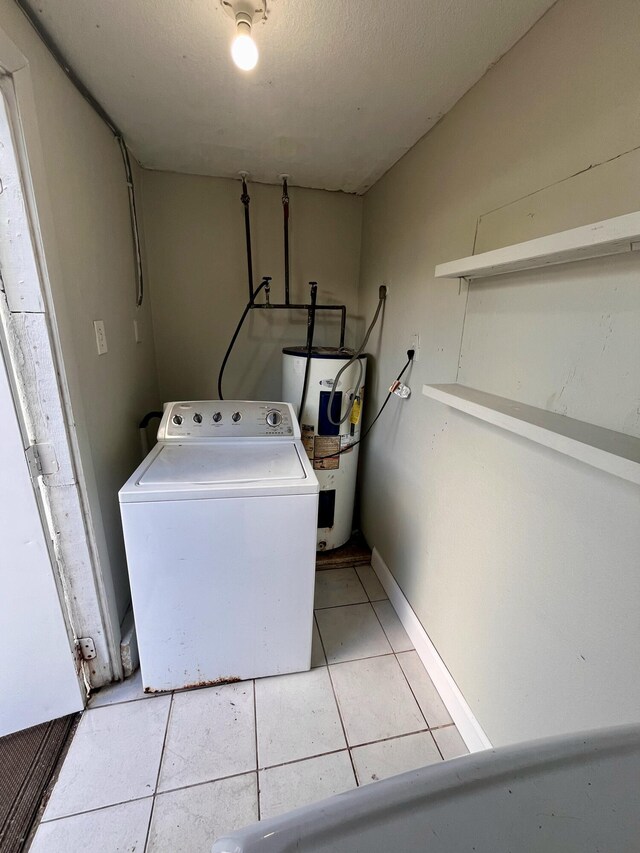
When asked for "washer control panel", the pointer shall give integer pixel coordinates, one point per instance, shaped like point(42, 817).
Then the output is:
point(203, 419)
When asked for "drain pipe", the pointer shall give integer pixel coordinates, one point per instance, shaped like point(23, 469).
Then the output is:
point(311, 323)
point(246, 199)
point(142, 427)
point(285, 212)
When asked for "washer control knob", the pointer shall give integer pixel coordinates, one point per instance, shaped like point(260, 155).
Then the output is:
point(217, 417)
point(177, 419)
point(197, 418)
point(274, 418)
point(235, 417)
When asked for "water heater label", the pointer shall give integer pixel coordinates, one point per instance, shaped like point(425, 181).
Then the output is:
point(324, 447)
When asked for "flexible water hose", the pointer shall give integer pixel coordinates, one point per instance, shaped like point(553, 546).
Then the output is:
point(382, 295)
point(263, 283)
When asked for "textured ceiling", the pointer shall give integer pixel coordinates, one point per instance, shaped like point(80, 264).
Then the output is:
point(342, 89)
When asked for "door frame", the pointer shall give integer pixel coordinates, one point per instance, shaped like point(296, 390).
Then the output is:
point(31, 344)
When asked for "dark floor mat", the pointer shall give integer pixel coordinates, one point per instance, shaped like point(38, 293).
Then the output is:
point(28, 761)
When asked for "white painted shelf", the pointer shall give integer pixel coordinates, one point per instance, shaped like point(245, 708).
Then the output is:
point(609, 237)
point(614, 452)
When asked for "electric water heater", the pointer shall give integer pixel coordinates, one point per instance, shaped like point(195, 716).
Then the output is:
point(327, 435)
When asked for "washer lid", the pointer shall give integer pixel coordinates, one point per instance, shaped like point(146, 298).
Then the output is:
point(221, 468)
point(224, 464)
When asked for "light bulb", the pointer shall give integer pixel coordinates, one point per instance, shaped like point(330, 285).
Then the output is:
point(243, 49)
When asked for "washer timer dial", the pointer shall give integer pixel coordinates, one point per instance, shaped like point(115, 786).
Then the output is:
point(274, 418)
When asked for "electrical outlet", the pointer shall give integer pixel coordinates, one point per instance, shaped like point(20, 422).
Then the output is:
point(414, 344)
point(101, 336)
point(137, 331)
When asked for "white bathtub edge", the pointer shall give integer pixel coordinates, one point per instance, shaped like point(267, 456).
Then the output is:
point(457, 706)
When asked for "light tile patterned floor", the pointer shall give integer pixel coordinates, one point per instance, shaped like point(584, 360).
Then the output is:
point(165, 774)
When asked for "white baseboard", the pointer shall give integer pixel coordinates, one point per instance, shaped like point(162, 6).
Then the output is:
point(457, 706)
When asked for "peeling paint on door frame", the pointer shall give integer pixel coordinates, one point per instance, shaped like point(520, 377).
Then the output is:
point(29, 336)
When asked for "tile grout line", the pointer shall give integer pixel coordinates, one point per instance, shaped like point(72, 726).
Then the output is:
point(255, 734)
point(350, 660)
point(335, 751)
point(367, 657)
point(335, 699)
point(304, 758)
point(385, 597)
point(96, 809)
point(348, 604)
point(324, 654)
point(160, 763)
point(424, 716)
point(415, 698)
point(345, 566)
point(384, 631)
point(430, 728)
point(367, 598)
point(395, 654)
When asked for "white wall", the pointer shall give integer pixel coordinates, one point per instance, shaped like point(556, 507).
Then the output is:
point(194, 229)
point(89, 254)
point(521, 564)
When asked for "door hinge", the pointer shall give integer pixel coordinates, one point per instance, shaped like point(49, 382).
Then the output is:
point(41, 459)
point(86, 647)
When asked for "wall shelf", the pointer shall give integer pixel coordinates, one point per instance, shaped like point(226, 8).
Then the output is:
point(609, 237)
point(614, 452)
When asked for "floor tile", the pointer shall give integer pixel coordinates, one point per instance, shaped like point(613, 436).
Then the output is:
point(375, 700)
point(390, 757)
point(191, 819)
point(424, 690)
point(211, 734)
point(116, 829)
point(317, 654)
point(392, 625)
point(122, 691)
point(370, 582)
point(335, 587)
point(450, 743)
point(297, 717)
point(114, 757)
point(293, 785)
point(350, 633)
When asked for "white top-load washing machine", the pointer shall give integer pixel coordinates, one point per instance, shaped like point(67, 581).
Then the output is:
point(220, 533)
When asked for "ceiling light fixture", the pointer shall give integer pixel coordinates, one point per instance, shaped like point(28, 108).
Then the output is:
point(243, 48)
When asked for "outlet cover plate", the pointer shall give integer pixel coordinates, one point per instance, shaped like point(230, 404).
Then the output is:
point(101, 336)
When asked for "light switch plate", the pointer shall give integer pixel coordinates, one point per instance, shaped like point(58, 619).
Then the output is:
point(137, 331)
point(101, 336)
